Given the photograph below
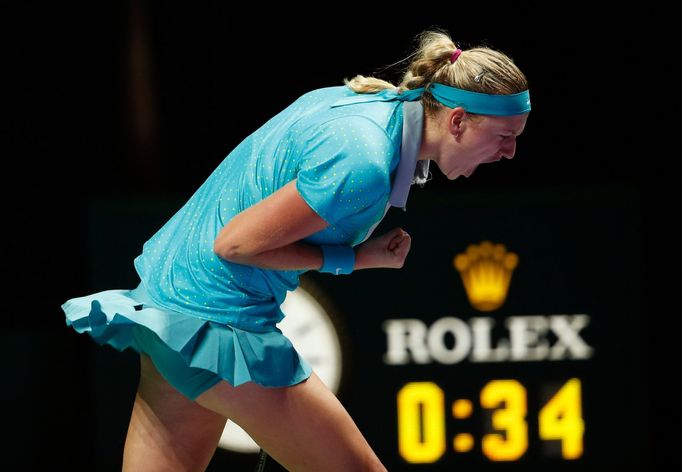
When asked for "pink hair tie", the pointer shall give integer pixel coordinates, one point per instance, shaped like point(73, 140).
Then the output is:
point(455, 55)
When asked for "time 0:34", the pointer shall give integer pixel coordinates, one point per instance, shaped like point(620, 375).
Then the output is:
point(421, 421)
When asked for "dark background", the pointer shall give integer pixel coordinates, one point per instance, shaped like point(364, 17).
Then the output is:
point(143, 99)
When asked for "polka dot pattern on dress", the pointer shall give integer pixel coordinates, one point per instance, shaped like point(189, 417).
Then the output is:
point(342, 158)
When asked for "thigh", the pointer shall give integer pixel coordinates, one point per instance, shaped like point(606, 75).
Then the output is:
point(168, 431)
point(304, 427)
point(170, 367)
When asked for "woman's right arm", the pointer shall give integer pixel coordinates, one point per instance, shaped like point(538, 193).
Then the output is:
point(268, 235)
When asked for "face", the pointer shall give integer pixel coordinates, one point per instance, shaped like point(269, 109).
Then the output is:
point(468, 142)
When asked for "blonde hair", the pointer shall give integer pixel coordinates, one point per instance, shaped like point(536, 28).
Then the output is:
point(479, 69)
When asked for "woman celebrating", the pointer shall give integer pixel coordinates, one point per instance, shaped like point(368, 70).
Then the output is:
point(303, 192)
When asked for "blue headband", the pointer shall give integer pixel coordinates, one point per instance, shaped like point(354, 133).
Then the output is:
point(473, 102)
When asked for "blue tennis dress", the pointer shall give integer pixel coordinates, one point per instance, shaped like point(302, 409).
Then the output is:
point(353, 157)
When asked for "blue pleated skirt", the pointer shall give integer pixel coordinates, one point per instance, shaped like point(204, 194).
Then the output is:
point(192, 353)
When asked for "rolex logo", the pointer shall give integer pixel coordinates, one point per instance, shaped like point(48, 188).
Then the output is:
point(486, 271)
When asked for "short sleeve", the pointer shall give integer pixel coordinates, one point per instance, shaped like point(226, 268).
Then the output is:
point(344, 167)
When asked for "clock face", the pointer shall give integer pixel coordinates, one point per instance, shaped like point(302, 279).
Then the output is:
point(311, 330)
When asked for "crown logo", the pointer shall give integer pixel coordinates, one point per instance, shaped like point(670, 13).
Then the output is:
point(486, 271)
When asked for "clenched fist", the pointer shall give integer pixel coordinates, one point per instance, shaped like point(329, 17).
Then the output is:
point(386, 251)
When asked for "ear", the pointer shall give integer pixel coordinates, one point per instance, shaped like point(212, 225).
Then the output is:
point(455, 118)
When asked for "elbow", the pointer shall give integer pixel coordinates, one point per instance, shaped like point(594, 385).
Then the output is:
point(224, 250)
point(233, 245)
point(230, 251)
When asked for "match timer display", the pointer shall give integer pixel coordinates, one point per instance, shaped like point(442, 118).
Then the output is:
point(423, 411)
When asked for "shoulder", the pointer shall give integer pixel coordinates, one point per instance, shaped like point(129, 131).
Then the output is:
point(360, 132)
point(350, 151)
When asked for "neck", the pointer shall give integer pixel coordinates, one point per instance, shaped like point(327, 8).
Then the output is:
point(429, 149)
